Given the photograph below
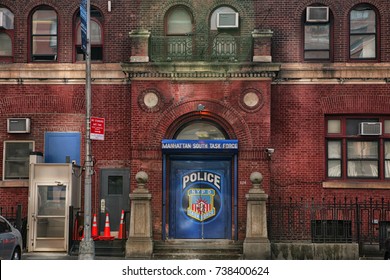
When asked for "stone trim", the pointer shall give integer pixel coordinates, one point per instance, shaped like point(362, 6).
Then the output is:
point(356, 185)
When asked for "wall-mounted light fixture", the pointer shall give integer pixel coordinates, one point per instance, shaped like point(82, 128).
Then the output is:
point(269, 151)
point(109, 6)
point(200, 107)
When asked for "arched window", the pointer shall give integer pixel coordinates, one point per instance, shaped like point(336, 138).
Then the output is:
point(44, 35)
point(5, 45)
point(96, 37)
point(200, 129)
point(226, 43)
point(178, 21)
point(178, 44)
point(6, 35)
point(213, 19)
point(363, 33)
point(317, 33)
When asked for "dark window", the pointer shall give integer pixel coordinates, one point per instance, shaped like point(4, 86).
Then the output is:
point(115, 185)
point(6, 36)
point(352, 154)
point(198, 130)
point(96, 37)
point(4, 227)
point(328, 231)
point(5, 45)
point(317, 44)
point(363, 33)
point(16, 159)
point(44, 35)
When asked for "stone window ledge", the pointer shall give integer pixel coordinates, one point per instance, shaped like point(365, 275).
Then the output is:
point(14, 184)
point(355, 185)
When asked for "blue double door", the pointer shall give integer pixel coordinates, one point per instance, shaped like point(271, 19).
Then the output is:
point(200, 195)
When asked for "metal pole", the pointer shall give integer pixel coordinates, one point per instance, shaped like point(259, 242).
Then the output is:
point(87, 246)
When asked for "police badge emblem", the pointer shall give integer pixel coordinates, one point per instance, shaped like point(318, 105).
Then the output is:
point(201, 204)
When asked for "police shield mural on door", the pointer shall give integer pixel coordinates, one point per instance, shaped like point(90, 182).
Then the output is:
point(200, 199)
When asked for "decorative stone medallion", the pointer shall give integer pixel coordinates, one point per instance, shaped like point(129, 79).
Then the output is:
point(251, 100)
point(150, 100)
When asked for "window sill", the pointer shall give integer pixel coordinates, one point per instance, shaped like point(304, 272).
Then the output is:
point(355, 185)
point(14, 184)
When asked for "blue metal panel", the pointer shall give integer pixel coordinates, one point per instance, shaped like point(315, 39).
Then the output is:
point(200, 198)
point(60, 145)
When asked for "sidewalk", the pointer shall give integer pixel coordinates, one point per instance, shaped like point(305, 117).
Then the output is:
point(60, 256)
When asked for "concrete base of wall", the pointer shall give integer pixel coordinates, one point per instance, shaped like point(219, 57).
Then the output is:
point(139, 248)
point(314, 251)
point(257, 249)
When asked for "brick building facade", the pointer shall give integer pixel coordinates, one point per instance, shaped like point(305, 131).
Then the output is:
point(277, 81)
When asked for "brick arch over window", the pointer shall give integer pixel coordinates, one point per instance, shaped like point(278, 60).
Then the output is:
point(356, 104)
point(226, 116)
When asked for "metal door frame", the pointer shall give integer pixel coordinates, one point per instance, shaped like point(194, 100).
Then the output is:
point(32, 236)
point(105, 172)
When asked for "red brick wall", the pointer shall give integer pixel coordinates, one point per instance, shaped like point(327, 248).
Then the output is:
point(298, 113)
point(291, 119)
point(62, 108)
point(180, 99)
point(117, 25)
point(283, 17)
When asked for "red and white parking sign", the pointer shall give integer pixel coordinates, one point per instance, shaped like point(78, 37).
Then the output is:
point(97, 128)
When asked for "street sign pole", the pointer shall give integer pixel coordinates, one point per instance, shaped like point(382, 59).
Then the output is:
point(87, 246)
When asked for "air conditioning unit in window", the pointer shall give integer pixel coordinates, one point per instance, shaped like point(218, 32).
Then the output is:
point(227, 20)
point(18, 125)
point(6, 19)
point(370, 128)
point(317, 14)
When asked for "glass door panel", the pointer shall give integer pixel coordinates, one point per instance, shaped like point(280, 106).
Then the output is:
point(50, 219)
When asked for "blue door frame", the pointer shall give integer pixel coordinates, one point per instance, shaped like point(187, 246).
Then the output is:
point(204, 176)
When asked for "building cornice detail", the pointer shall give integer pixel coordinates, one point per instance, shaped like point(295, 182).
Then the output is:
point(200, 70)
point(333, 73)
point(60, 73)
point(122, 73)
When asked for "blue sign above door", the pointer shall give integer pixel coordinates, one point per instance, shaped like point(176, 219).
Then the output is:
point(169, 146)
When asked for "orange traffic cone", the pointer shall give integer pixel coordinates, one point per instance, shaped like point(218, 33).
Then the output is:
point(121, 233)
point(94, 233)
point(107, 230)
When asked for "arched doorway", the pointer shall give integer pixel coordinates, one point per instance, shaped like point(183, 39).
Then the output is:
point(199, 184)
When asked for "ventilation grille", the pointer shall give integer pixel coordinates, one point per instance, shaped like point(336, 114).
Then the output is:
point(370, 128)
point(18, 125)
point(317, 14)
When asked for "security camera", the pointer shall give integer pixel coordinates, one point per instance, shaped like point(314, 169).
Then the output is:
point(269, 151)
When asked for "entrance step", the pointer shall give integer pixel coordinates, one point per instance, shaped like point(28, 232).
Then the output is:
point(104, 248)
point(200, 250)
